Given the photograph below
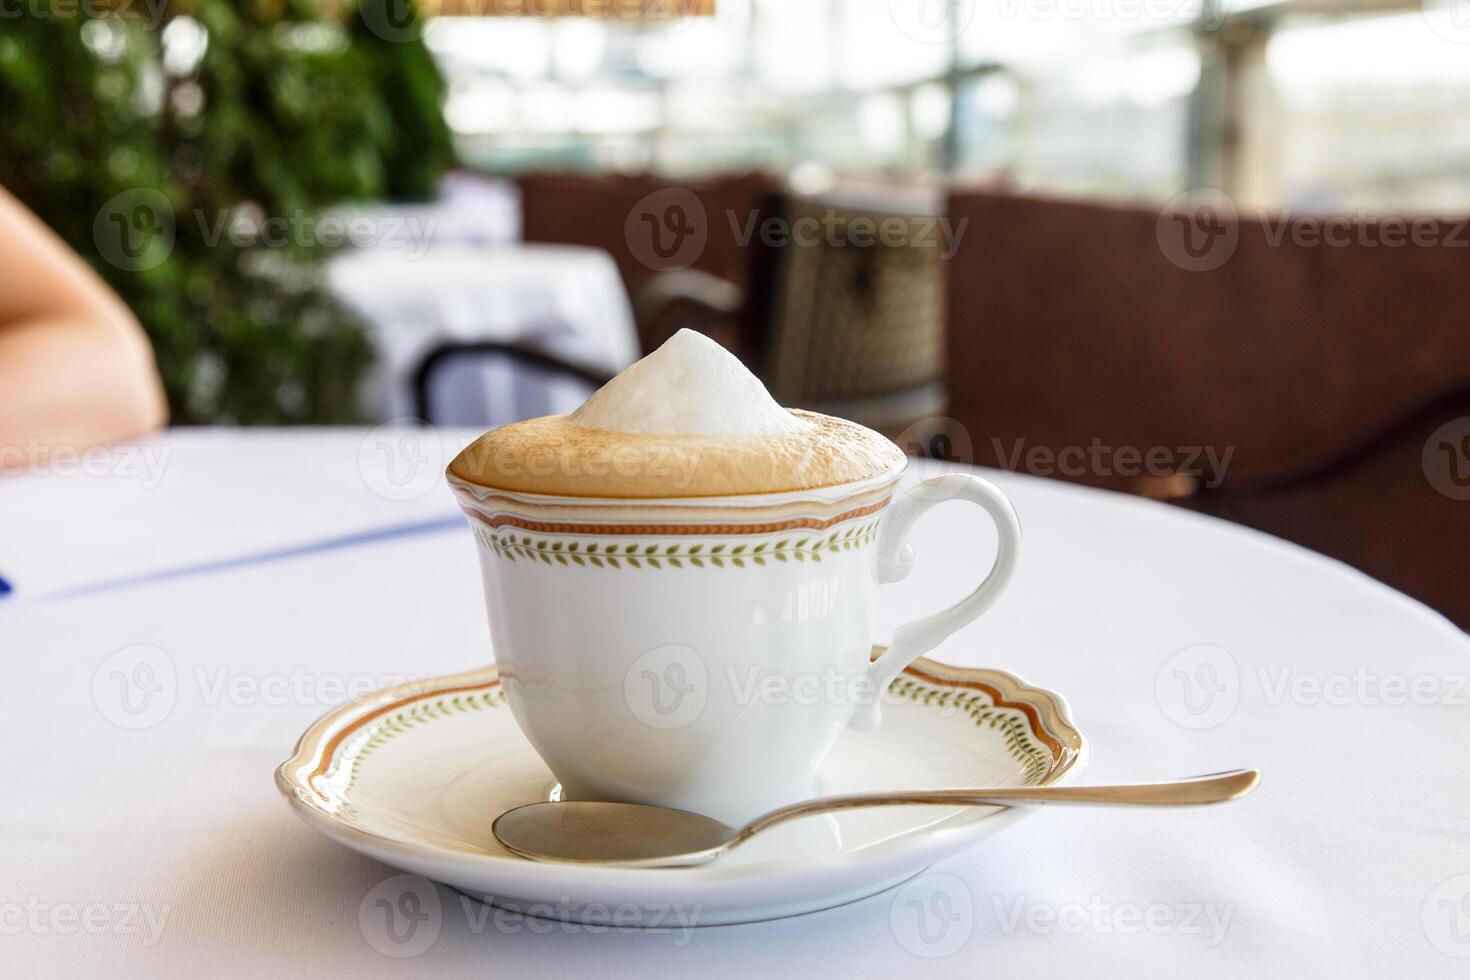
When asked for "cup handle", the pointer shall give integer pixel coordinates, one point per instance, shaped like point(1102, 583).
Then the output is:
point(896, 558)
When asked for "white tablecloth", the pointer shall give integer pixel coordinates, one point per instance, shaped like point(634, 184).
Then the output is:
point(563, 299)
point(202, 496)
point(166, 852)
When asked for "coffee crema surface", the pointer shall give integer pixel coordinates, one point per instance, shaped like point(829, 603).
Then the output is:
point(686, 421)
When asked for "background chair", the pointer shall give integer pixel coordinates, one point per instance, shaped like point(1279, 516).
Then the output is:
point(830, 315)
point(593, 209)
point(854, 329)
point(455, 369)
point(833, 319)
point(1324, 369)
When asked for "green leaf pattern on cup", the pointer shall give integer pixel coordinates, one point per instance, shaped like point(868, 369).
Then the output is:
point(514, 545)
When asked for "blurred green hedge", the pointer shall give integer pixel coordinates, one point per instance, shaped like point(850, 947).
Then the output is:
point(160, 138)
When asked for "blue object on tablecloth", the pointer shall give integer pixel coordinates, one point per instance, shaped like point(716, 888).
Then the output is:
point(431, 526)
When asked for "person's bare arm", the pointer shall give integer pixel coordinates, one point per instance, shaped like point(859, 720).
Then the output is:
point(75, 367)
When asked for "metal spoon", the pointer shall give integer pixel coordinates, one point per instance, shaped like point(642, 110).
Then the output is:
point(632, 835)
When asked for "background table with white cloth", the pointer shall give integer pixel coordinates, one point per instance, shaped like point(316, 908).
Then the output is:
point(564, 300)
point(277, 572)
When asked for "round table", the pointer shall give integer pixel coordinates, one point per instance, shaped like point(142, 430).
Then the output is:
point(271, 575)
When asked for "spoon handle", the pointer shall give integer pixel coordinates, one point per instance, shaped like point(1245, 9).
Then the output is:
point(1194, 791)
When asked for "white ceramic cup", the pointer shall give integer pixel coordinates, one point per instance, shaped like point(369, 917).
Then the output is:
point(706, 653)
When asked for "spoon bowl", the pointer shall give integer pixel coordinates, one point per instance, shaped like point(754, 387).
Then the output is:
point(622, 834)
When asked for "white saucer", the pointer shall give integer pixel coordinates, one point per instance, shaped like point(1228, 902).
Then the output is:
point(414, 775)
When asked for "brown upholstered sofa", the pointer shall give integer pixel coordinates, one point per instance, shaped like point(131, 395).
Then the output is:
point(592, 209)
point(1323, 368)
